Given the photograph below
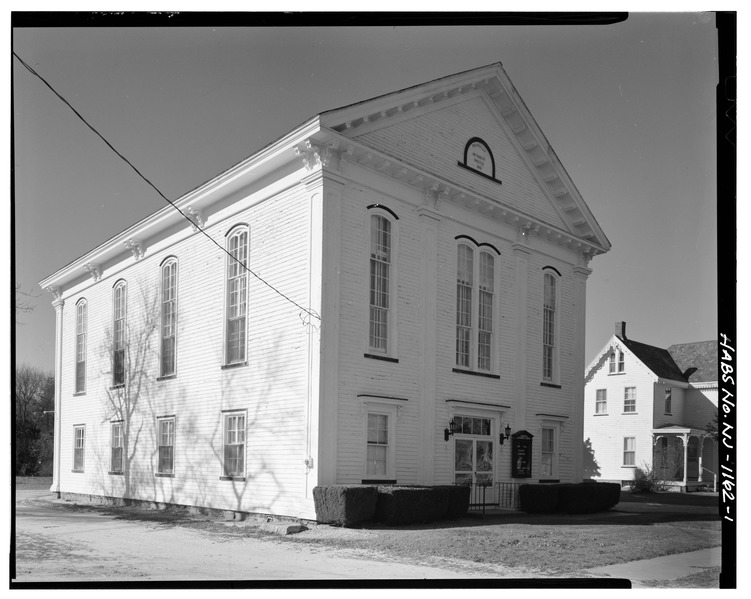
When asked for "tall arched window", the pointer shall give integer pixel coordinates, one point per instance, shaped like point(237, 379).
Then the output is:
point(548, 327)
point(380, 282)
point(169, 317)
point(237, 296)
point(464, 286)
point(119, 305)
point(81, 324)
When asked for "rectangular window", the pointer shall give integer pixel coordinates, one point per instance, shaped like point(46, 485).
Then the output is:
point(81, 318)
point(601, 403)
point(464, 284)
point(629, 451)
point(118, 337)
point(234, 444)
point(668, 400)
point(116, 447)
point(548, 332)
point(380, 274)
point(237, 296)
point(629, 399)
point(485, 312)
point(79, 444)
point(611, 363)
point(169, 317)
point(166, 443)
point(548, 452)
point(621, 362)
point(378, 445)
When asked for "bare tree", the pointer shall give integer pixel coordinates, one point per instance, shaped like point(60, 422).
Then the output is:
point(34, 399)
point(23, 302)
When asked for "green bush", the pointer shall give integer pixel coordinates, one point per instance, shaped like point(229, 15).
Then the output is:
point(538, 499)
point(458, 502)
point(646, 480)
point(344, 505)
point(408, 505)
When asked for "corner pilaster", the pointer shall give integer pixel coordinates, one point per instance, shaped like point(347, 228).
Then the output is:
point(580, 302)
point(58, 303)
point(521, 267)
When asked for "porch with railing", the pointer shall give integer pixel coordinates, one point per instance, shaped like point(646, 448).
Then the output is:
point(493, 496)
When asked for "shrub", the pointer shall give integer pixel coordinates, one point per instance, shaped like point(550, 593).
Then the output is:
point(458, 502)
point(646, 480)
point(538, 498)
point(344, 505)
point(407, 505)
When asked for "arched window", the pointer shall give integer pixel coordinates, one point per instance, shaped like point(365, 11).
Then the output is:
point(464, 287)
point(119, 309)
point(237, 296)
point(380, 282)
point(81, 331)
point(549, 340)
point(169, 317)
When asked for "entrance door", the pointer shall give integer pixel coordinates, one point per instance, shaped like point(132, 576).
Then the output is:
point(474, 456)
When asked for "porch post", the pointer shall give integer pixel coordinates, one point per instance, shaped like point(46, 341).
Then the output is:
point(685, 461)
point(701, 456)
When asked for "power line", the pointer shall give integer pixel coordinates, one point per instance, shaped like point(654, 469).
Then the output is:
point(308, 311)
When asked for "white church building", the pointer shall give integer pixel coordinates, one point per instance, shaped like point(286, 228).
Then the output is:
point(380, 296)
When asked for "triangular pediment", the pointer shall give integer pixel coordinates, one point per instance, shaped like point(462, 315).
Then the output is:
point(432, 127)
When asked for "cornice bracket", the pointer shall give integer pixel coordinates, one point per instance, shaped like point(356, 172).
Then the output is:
point(94, 270)
point(136, 247)
point(195, 217)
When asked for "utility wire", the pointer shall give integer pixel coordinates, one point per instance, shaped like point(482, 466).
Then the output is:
point(310, 312)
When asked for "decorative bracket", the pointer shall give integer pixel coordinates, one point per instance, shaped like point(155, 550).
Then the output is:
point(136, 247)
point(57, 294)
point(585, 256)
point(94, 270)
point(314, 155)
point(195, 217)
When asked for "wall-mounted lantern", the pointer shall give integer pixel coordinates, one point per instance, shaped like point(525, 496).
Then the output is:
point(505, 434)
point(447, 432)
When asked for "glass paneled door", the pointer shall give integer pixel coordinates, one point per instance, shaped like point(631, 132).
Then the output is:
point(474, 453)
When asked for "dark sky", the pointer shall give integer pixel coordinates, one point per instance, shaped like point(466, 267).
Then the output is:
point(629, 109)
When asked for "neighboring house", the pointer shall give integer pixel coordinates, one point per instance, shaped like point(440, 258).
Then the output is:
point(415, 262)
point(649, 407)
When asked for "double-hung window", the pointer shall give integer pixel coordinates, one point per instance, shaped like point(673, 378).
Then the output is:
point(380, 282)
point(166, 445)
point(668, 400)
point(81, 318)
point(475, 294)
point(611, 363)
point(378, 445)
point(116, 447)
point(548, 327)
point(234, 444)
point(548, 452)
point(601, 402)
point(629, 399)
point(629, 451)
point(79, 446)
point(119, 332)
point(237, 296)
point(621, 362)
point(169, 317)
point(379, 436)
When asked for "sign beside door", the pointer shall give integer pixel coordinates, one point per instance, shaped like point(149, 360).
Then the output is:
point(521, 454)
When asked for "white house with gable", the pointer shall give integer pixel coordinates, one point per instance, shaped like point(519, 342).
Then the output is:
point(648, 407)
point(380, 296)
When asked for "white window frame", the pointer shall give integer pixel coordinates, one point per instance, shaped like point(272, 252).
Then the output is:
point(475, 362)
point(391, 410)
point(82, 315)
point(117, 442)
point(79, 449)
point(391, 350)
point(611, 363)
point(668, 401)
point(236, 308)
point(119, 332)
point(621, 362)
point(601, 401)
point(230, 438)
point(551, 347)
point(629, 449)
point(160, 438)
point(556, 428)
point(168, 316)
point(629, 402)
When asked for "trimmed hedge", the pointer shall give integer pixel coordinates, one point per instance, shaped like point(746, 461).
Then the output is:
point(569, 498)
point(407, 505)
point(458, 501)
point(344, 505)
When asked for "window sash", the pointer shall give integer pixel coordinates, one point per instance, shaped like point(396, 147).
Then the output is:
point(237, 297)
point(234, 445)
point(629, 451)
point(548, 327)
point(81, 324)
point(629, 399)
point(118, 340)
point(377, 445)
point(612, 363)
point(169, 317)
point(621, 362)
point(668, 400)
point(79, 444)
point(166, 446)
point(601, 402)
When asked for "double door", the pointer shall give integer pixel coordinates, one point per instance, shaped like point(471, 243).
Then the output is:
point(474, 455)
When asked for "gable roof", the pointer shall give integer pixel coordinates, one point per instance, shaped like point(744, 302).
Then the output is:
point(656, 359)
point(701, 355)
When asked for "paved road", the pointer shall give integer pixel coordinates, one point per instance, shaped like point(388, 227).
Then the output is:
point(54, 544)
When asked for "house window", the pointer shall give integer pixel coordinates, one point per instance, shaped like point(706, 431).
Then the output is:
point(668, 401)
point(601, 402)
point(629, 451)
point(629, 399)
point(380, 282)
point(79, 444)
point(116, 448)
point(621, 362)
point(237, 295)
point(169, 317)
point(612, 363)
point(81, 318)
point(548, 453)
point(475, 279)
point(118, 337)
point(166, 445)
point(378, 445)
point(548, 331)
point(234, 444)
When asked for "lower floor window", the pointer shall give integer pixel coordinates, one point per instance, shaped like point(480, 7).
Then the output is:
point(79, 441)
point(234, 444)
point(548, 451)
point(378, 444)
point(629, 451)
point(166, 434)
point(116, 447)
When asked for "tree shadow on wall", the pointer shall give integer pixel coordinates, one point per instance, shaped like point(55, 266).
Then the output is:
point(590, 467)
